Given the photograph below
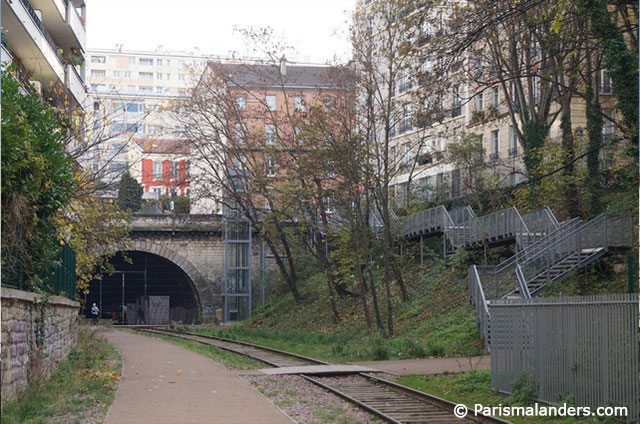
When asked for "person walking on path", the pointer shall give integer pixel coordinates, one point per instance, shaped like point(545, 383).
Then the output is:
point(95, 311)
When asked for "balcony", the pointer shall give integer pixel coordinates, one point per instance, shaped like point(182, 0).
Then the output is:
point(31, 43)
point(75, 85)
point(63, 22)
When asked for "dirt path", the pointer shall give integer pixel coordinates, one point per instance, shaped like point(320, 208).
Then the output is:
point(165, 383)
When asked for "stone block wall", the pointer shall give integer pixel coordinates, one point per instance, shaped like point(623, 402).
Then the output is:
point(35, 338)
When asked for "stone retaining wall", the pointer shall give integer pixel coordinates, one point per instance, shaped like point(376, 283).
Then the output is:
point(30, 350)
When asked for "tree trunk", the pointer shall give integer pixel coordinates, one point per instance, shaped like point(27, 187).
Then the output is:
point(568, 157)
point(594, 131)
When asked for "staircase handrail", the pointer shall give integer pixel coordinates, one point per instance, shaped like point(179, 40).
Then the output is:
point(479, 300)
point(538, 244)
point(552, 217)
point(572, 242)
point(522, 281)
point(469, 222)
point(576, 231)
point(509, 224)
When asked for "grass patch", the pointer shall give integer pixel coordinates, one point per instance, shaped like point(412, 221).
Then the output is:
point(82, 388)
point(228, 359)
point(436, 321)
point(473, 387)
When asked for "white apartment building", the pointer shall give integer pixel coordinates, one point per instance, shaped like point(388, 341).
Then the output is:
point(133, 91)
point(46, 39)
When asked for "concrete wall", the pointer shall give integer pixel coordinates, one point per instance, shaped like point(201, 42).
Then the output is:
point(31, 351)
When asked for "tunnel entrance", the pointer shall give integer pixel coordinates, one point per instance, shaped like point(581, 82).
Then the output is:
point(146, 284)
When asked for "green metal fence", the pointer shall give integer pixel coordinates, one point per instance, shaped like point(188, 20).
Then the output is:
point(59, 280)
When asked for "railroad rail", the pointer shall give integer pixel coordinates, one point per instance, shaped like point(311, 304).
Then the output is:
point(390, 401)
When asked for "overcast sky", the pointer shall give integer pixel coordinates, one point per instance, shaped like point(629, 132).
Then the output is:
point(308, 25)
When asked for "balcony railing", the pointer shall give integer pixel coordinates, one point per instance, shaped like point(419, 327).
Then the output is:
point(513, 152)
point(43, 30)
point(493, 157)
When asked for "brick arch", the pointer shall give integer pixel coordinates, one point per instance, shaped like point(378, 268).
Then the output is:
point(202, 287)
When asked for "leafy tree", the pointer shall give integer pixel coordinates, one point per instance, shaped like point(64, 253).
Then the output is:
point(37, 179)
point(97, 229)
point(129, 193)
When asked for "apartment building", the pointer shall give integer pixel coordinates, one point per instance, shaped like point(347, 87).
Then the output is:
point(270, 102)
point(46, 39)
point(134, 92)
point(162, 166)
point(419, 145)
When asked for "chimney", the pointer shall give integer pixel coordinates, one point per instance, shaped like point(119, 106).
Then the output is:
point(283, 65)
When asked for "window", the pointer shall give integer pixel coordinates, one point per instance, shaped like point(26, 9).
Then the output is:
point(495, 145)
point(157, 192)
point(535, 87)
point(405, 80)
point(117, 167)
point(329, 207)
point(180, 77)
point(606, 86)
point(479, 100)
point(145, 75)
point(98, 59)
point(145, 89)
point(117, 148)
point(174, 170)
point(608, 127)
point(270, 166)
point(513, 148)
point(270, 134)
point(188, 169)
point(241, 102)
point(478, 68)
point(298, 103)
point(157, 169)
point(146, 62)
point(239, 133)
point(99, 88)
point(328, 103)
point(159, 75)
point(158, 62)
point(159, 90)
point(168, 76)
point(270, 100)
point(132, 61)
point(297, 135)
point(134, 107)
point(98, 74)
point(131, 88)
point(168, 62)
point(495, 96)
point(406, 121)
point(456, 109)
point(116, 74)
point(127, 74)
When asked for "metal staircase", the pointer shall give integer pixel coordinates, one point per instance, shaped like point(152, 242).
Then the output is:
point(570, 247)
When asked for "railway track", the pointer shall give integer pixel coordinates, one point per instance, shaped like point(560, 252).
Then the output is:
point(390, 401)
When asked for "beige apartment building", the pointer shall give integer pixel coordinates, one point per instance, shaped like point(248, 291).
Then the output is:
point(420, 151)
point(134, 91)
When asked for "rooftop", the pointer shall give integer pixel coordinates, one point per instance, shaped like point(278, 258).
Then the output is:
point(177, 146)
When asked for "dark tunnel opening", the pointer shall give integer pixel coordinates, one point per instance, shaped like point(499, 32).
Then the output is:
point(141, 279)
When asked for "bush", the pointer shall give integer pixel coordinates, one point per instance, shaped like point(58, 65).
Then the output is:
point(37, 179)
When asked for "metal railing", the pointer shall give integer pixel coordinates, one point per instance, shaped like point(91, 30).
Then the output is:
point(479, 300)
point(43, 30)
point(584, 241)
point(540, 222)
point(465, 229)
point(433, 219)
point(502, 223)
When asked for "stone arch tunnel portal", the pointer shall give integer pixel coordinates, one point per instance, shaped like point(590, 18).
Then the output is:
point(142, 279)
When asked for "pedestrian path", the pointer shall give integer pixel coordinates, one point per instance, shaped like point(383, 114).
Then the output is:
point(427, 366)
point(165, 383)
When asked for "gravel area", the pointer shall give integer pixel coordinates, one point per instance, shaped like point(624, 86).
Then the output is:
point(307, 403)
